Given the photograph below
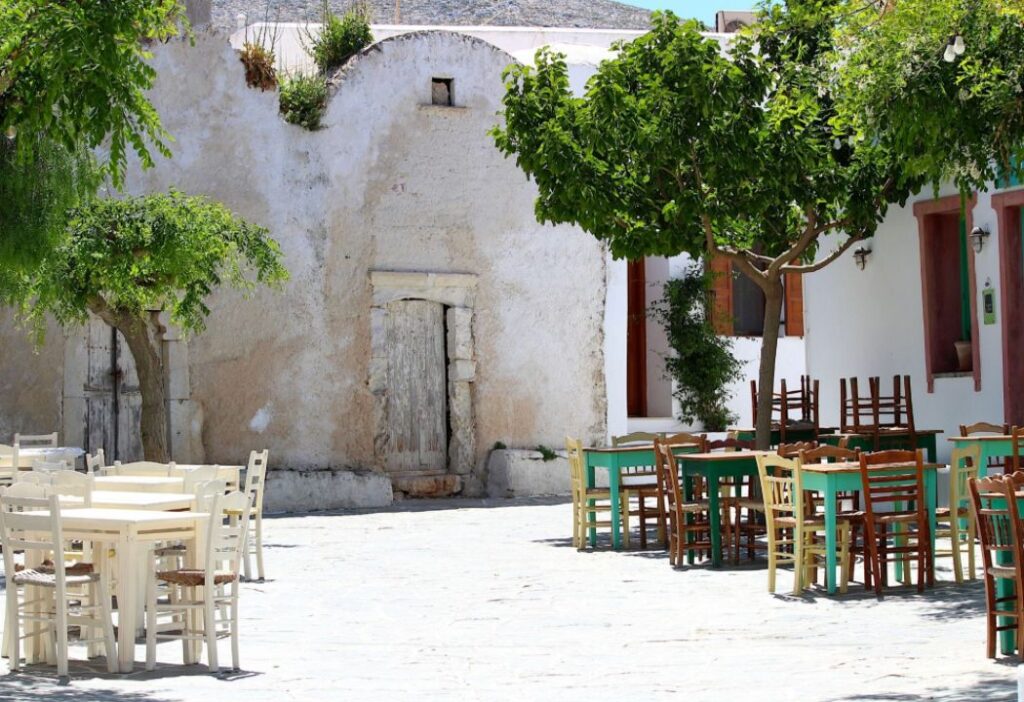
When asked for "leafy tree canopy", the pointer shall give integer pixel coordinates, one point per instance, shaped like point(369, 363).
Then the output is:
point(76, 73)
point(164, 251)
point(952, 116)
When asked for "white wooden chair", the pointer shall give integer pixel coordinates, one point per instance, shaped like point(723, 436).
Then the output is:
point(225, 542)
point(36, 440)
point(141, 469)
point(195, 477)
point(69, 483)
point(8, 464)
point(255, 478)
point(30, 521)
point(96, 462)
point(34, 477)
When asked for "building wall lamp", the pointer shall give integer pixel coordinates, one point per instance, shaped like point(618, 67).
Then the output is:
point(860, 256)
point(978, 237)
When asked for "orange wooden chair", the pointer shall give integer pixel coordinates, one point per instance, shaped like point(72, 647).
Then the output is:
point(688, 525)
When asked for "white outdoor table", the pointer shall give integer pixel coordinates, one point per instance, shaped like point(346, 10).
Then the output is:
point(229, 474)
point(150, 501)
point(139, 483)
point(49, 454)
point(132, 533)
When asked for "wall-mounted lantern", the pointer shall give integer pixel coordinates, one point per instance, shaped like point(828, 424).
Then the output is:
point(860, 257)
point(978, 236)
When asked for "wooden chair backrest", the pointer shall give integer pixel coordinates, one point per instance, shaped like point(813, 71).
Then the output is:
point(984, 428)
point(141, 469)
point(794, 449)
point(781, 488)
point(95, 462)
point(729, 444)
point(903, 484)
point(34, 477)
point(790, 406)
point(826, 453)
point(964, 464)
point(574, 449)
point(206, 491)
point(201, 474)
point(256, 478)
point(225, 538)
point(36, 440)
point(998, 520)
point(685, 439)
point(668, 481)
point(69, 483)
point(30, 521)
point(9, 471)
point(635, 437)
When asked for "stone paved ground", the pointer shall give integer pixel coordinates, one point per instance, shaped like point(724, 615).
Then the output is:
point(485, 600)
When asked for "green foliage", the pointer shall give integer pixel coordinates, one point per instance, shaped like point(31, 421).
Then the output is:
point(340, 38)
point(303, 100)
point(37, 189)
point(76, 73)
point(702, 364)
point(546, 454)
point(962, 119)
point(163, 251)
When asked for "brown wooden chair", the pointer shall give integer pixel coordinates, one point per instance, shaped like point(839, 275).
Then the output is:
point(642, 485)
point(688, 524)
point(895, 515)
point(995, 463)
point(791, 409)
point(698, 442)
point(793, 450)
point(847, 503)
point(1017, 443)
point(877, 414)
point(999, 529)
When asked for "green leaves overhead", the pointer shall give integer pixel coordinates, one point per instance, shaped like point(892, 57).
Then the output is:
point(155, 252)
point(76, 73)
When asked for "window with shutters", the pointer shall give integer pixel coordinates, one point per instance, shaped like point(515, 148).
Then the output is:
point(738, 303)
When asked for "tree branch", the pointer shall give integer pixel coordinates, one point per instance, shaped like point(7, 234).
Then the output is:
point(818, 265)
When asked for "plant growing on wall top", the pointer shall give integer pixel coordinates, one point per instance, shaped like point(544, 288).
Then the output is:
point(340, 38)
point(303, 99)
point(127, 260)
point(701, 365)
point(257, 54)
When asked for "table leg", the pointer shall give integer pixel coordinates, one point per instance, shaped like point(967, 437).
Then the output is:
point(929, 447)
point(126, 604)
point(715, 517)
point(613, 488)
point(931, 494)
point(688, 496)
point(831, 543)
point(591, 482)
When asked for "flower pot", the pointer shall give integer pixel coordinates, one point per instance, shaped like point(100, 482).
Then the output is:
point(964, 355)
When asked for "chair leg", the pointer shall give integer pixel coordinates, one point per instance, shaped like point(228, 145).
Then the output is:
point(642, 514)
point(210, 629)
point(151, 617)
point(970, 550)
point(844, 559)
point(624, 517)
point(234, 626)
point(954, 541)
point(61, 639)
point(259, 546)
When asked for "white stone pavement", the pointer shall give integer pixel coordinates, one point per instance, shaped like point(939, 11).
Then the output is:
point(485, 600)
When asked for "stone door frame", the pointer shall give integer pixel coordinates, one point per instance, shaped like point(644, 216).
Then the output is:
point(457, 292)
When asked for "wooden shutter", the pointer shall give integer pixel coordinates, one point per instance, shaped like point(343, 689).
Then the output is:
point(794, 304)
point(721, 295)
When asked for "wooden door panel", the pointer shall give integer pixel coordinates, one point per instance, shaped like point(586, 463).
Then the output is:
point(417, 394)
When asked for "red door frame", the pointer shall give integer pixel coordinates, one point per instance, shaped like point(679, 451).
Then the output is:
point(636, 338)
point(1011, 297)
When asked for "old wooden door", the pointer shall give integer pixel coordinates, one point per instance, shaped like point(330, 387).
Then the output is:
point(417, 397)
point(112, 399)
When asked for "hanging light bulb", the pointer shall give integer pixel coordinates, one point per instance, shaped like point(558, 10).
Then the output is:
point(958, 45)
point(950, 55)
point(837, 144)
point(12, 132)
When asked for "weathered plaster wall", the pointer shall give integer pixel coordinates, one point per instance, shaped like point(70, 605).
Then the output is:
point(390, 183)
point(30, 380)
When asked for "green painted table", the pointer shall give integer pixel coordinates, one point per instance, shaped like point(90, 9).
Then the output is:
point(792, 435)
point(832, 478)
point(614, 459)
point(713, 467)
point(992, 446)
point(888, 440)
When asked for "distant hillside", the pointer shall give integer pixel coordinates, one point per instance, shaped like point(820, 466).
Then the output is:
point(597, 14)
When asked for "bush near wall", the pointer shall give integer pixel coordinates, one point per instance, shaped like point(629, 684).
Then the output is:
point(303, 100)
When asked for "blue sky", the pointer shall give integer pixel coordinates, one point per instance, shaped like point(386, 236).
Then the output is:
point(701, 9)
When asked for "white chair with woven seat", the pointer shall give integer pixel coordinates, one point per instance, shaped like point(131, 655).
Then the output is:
point(255, 480)
point(9, 464)
point(141, 469)
point(784, 506)
point(956, 522)
point(30, 522)
point(588, 502)
point(36, 440)
point(40, 466)
point(225, 543)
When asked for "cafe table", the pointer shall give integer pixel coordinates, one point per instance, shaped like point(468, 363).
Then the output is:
point(132, 533)
point(829, 479)
point(139, 483)
point(229, 474)
point(121, 499)
point(713, 467)
point(49, 454)
point(991, 445)
point(887, 439)
point(614, 459)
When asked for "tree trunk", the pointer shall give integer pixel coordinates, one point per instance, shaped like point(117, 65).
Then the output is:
point(773, 300)
point(144, 337)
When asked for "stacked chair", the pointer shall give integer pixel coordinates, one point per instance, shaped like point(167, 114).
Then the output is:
point(792, 410)
point(877, 414)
